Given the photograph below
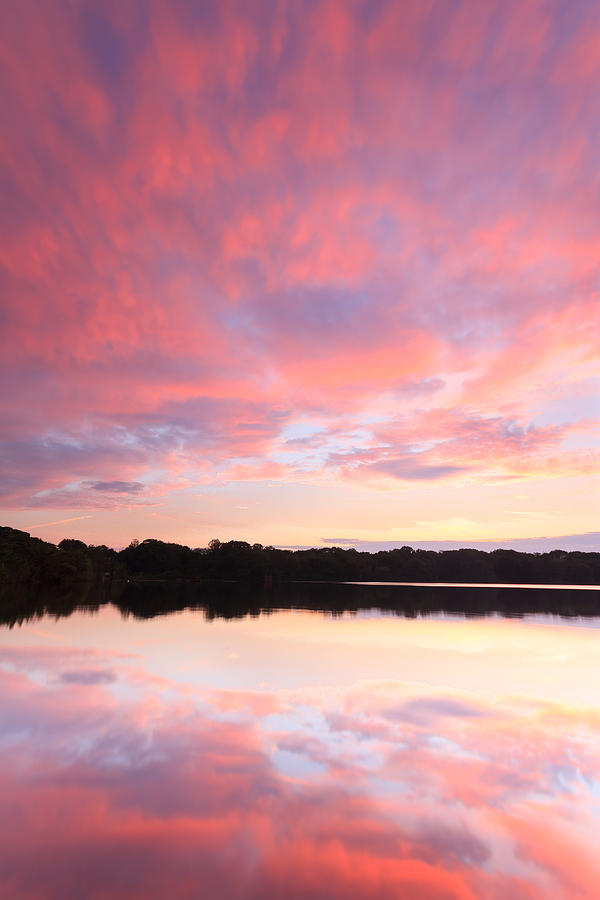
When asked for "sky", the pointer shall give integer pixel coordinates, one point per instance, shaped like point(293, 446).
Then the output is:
point(301, 273)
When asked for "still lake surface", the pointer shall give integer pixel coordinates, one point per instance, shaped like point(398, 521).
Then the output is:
point(290, 753)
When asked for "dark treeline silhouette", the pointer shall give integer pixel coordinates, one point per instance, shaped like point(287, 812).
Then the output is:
point(28, 560)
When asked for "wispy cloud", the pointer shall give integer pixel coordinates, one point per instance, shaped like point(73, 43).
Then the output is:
point(218, 229)
point(58, 522)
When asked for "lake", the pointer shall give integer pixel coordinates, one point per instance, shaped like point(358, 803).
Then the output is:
point(434, 744)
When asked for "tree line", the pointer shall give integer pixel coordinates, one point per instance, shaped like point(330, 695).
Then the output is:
point(31, 561)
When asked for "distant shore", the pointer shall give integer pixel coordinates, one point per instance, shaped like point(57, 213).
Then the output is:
point(32, 561)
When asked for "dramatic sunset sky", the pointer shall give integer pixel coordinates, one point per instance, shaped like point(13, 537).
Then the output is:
point(300, 272)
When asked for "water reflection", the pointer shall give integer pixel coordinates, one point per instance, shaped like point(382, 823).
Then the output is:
point(296, 756)
point(235, 600)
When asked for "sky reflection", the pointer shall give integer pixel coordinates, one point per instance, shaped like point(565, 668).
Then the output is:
point(132, 773)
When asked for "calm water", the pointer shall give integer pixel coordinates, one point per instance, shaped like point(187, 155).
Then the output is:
point(300, 755)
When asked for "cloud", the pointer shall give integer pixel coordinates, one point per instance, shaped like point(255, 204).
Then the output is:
point(219, 224)
point(588, 542)
point(58, 522)
point(425, 711)
point(117, 487)
point(88, 676)
point(410, 469)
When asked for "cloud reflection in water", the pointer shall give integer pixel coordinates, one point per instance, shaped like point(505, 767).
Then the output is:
point(116, 782)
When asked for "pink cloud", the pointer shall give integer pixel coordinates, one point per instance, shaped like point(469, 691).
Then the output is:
point(218, 225)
